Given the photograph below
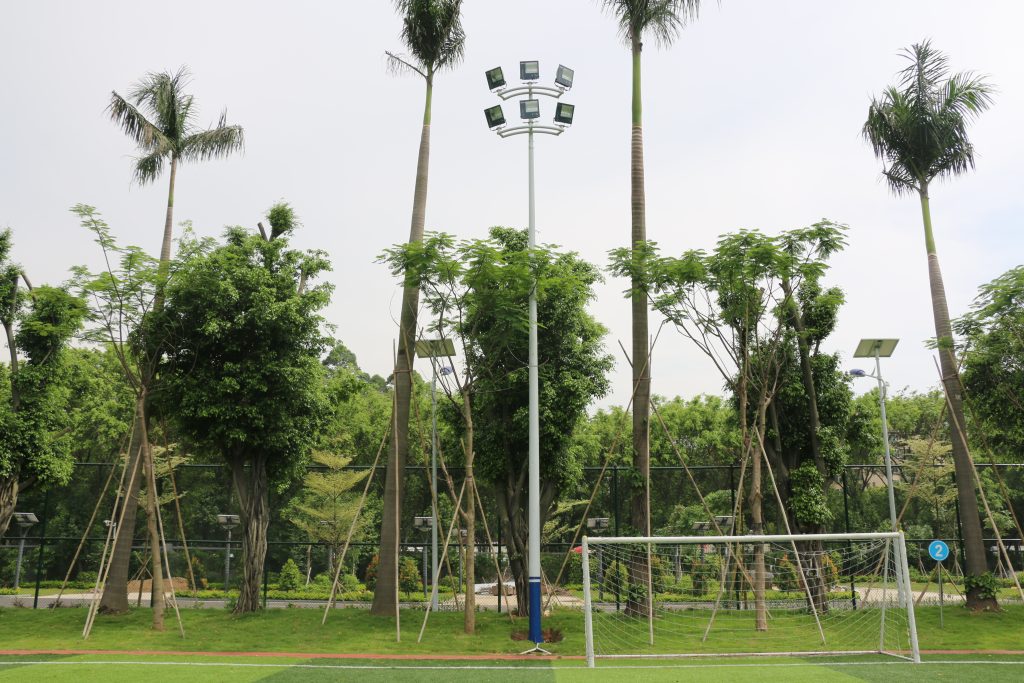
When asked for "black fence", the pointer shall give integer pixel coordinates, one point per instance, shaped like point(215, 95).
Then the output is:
point(858, 502)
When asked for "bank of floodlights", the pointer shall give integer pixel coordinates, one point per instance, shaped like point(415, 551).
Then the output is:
point(529, 106)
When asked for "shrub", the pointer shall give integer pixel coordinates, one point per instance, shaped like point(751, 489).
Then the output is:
point(290, 578)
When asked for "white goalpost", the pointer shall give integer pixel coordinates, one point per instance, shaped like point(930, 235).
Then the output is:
point(701, 596)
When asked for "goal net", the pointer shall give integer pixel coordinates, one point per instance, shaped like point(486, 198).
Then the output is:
point(827, 594)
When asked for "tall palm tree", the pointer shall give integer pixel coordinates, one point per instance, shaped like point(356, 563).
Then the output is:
point(662, 19)
point(169, 134)
point(159, 116)
point(918, 128)
point(433, 35)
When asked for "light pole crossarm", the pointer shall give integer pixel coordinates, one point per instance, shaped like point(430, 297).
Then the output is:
point(520, 90)
point(527, 129)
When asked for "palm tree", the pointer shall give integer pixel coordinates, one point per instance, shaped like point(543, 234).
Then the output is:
point(663, 19)
point(918, 128)
point(433, 35)
point(169, 133)
point(160, 118)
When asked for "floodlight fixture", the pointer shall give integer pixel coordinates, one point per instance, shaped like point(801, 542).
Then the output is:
point(495, 78)
point(529, 109)
point(228, 522)
point(564, 112)
point(529, 70)
point(25, 519)
point(423, 522)
point(435, 348)
point(724, 520)
point(597, 523)
point(495, 116)
point(702, 526)
point(563, 76)
point(870, 348)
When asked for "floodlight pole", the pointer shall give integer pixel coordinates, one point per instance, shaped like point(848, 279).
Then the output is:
point(227, 564)
point(533, 479)
point(433, 481)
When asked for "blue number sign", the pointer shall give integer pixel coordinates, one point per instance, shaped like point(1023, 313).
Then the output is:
point(938, 550)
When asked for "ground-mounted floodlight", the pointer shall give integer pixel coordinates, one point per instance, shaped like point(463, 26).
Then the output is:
point(564, 112)
point(433, 349)
point(24, 520)
point(597, 523)
point(423, 522)
point(529, 109)
point(529, 70)
point(495, 78)
point(495, 116)
point(563, 76)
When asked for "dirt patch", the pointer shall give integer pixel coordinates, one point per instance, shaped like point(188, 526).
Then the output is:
point(550, 635)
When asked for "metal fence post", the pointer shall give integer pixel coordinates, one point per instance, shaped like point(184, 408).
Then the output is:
point(42, 542)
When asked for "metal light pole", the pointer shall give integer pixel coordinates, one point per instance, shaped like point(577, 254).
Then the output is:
point(433, 349)
point(529, 111)
point(227, 522)
point(877, 349)
point(24, 520)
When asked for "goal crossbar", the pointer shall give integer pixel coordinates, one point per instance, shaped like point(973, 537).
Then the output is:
point(900, 568)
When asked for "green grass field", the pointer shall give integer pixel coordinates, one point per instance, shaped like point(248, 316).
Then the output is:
point(298, 632)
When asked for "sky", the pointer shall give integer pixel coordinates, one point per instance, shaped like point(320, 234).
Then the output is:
point(752, 119)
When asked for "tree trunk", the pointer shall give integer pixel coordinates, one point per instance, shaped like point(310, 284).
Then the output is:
point(255, 518)
point(115, 588)
point(8, 501)
point(157, 584)
point(513, 513)
point(469, 622)
point(757, 527)
point(640, 512)
point(970, 518)
point(385, 594)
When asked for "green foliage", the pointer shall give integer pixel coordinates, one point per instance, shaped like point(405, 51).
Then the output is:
point(326, 506)
point(242, 373)
point(706, 573)
point(408, 574)
point(808, 497)
point(432, 32)
point(986, 584)
point(290, 578)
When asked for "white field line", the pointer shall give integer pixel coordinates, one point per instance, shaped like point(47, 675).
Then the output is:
point(420, 667)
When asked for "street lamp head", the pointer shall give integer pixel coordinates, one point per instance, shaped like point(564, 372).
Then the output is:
point(495, 116)
point(529, 70)
point(564, 112)
point(529, 109)
point(25, 519)
point(563, 76)
point(857, 372)
point(495, 78)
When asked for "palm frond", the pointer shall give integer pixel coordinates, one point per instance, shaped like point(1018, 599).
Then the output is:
point(135, 124)
point(918, 128)
point(163, 95)
point(662, 19)
point(432, 31)
point(400, 65)
point(214, 143)
point(149, 167)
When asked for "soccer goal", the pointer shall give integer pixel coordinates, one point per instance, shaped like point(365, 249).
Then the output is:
point(699, 596)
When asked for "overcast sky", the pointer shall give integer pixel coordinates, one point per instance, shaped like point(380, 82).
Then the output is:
point(751, 120)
